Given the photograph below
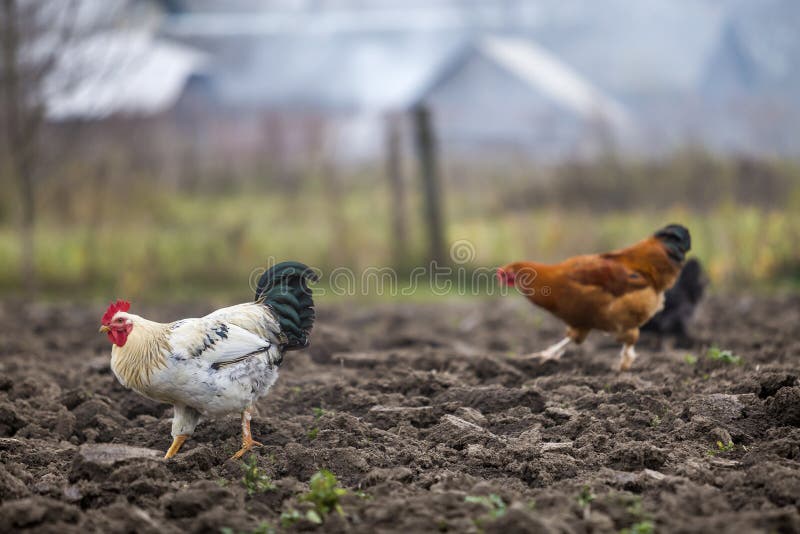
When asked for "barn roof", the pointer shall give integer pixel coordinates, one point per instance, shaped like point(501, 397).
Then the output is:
point(119, 72)
point(542, 72)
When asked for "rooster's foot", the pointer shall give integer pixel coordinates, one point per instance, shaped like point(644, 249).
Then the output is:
point(247, 437)
point(246, 446)
point(177, 443)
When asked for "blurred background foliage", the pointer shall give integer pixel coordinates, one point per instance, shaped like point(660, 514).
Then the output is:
point(117, 229)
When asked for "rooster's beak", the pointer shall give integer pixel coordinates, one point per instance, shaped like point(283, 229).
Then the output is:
point(104, 329)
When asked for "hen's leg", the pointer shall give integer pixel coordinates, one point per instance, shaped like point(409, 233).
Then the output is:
point(628, 354)
point(247, 437)
point(554, 352)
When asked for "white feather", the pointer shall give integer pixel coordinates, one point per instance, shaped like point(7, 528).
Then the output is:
point(214, 342)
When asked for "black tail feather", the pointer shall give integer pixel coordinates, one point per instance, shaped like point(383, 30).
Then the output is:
point(680, 302)
point(284, 288)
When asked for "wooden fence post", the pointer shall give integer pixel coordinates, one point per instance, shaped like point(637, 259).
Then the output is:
point(431, 183)
point(398, 203)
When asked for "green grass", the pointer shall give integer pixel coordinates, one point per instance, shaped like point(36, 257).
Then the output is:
point(199, 246)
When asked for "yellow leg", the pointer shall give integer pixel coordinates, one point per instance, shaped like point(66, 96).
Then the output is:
point(176, 445)
point(247, 437)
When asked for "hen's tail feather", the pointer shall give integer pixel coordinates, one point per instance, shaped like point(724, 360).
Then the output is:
point(284, 288)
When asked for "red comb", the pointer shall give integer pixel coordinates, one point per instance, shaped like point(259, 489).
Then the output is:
point(120, 305)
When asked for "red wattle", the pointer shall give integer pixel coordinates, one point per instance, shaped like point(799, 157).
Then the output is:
point(118, 337)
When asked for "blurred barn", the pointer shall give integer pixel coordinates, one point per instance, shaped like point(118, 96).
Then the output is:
point(287, 78)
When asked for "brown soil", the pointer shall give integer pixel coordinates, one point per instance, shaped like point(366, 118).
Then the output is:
point(424, 405)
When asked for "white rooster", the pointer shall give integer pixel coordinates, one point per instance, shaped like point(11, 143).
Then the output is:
point(218, 364)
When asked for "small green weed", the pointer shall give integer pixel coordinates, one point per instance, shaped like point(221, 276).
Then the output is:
point(318, 412)
point(690, 359)
point(324, 493)
point(721, 448)
point(585, 497)
point(361, 494)
point(262, 528)
point(635, 508)
point(290, 517)
point(493, 503)
point(643, 524)
point(254, 479)
point(642, 527)
point(725, 356)
point(655, 421)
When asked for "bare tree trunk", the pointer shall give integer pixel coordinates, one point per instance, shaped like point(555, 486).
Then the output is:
point(340, 249)
point(431, 184)
point(397, 188)
point(21, 136)
point(27, 237)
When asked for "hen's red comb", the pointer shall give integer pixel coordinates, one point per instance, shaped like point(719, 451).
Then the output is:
point(120, 305)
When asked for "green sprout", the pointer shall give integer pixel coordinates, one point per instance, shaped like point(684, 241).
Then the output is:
point(493, 503)
point(254, 479)
point(642, 527)
point(290, 517)
point(324, 493)
point(725, 356)
point(655, 421)
point(585, 497)
point(721, 448)
point(314, 431)
point(635, 508)
point(643, 524)
point(262, 528)
point(690, 359)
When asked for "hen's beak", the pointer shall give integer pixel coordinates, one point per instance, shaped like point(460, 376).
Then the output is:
point(104, 329)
